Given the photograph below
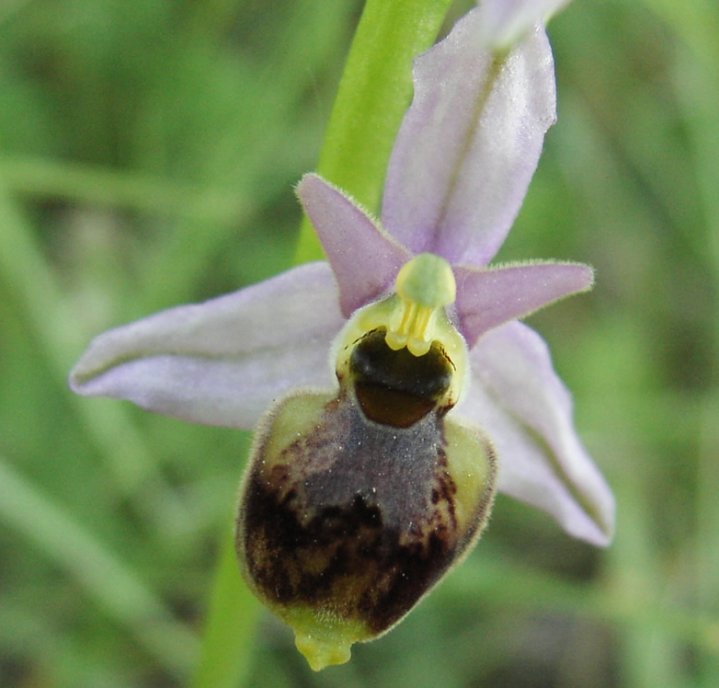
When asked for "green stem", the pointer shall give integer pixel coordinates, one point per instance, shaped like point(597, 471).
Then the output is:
point(230, 628)
point(373, 95)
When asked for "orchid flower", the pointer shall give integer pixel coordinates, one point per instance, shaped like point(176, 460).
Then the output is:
point(416, 324)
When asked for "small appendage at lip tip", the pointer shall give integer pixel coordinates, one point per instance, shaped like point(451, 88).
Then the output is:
point(424, 285)
point(320, 654)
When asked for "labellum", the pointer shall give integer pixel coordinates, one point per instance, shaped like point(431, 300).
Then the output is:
point(356, 502)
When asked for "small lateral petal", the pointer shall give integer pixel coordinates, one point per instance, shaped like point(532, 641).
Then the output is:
point(506, 21)
point(365, 259)
point(490, 297)
point(518, 398)
point(469, 144)
point(224, 361)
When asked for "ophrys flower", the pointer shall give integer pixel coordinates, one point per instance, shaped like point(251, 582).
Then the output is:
point(430, 373)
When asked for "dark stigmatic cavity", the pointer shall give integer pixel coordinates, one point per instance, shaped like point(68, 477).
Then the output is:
point(395, 387)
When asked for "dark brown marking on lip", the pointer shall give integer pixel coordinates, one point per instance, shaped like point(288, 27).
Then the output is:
point(355, 518)
point(343, 560)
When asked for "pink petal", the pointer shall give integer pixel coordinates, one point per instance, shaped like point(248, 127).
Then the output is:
point(487, 298)
point(469, 144)
point(224, 361)
point(364, 257)
point(519, 400)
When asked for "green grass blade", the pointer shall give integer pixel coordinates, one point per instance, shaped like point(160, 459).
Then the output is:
point(107, 580)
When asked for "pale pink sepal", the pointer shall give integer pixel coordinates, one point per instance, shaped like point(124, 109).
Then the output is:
point(364, 257)
point(517, 397)
point(487, 298)
point(469, 144)
point(224, 361)
point(506, 21)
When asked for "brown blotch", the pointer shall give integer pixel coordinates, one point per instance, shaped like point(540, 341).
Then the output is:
point(356, 518)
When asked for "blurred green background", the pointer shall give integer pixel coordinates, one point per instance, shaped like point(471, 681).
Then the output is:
point(147, 154)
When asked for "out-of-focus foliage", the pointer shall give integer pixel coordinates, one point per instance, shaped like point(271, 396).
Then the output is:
point(147, 154)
